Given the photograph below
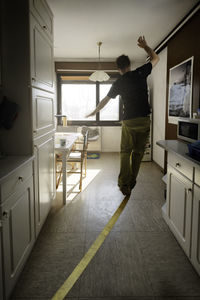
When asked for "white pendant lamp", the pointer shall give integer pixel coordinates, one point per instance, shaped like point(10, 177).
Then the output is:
point(99, 75)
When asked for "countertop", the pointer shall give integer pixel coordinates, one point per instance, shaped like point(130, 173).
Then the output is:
point(178, 147)
point(9, 164)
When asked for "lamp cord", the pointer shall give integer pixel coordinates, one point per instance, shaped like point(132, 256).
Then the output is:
point(99, 52)
point(99, 45)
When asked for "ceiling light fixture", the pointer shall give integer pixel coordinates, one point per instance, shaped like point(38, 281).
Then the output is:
point(99, 75)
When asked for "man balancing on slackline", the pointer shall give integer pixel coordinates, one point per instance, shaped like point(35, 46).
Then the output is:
point(132, 87)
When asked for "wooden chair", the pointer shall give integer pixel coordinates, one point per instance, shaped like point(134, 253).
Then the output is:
point(79, 156)
point(76, 156)
point(58, 161)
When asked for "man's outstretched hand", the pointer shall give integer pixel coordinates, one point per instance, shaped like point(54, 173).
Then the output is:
point(90, 115)
point(154, 58)
point(101, 104)
point(142, 42)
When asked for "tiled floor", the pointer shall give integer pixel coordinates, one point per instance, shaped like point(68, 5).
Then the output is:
point(139, 260)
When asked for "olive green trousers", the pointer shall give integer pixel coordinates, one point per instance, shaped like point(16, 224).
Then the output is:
point(135, 133)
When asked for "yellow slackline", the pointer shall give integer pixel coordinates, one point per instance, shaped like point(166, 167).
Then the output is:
point(70, 281)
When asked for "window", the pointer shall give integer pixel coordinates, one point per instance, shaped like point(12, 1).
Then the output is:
point(78, 96)
point(111, 111)
point(78, 100)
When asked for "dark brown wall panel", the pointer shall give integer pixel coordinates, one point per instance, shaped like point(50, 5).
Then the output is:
point(85, 66)
point(184, 44)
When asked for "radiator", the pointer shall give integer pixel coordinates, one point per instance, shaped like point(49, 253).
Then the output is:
point(94, 144)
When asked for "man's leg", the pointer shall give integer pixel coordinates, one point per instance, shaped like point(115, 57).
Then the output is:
point(125, 162)
point(137, 155)
point(141, 134)
point(139, 129)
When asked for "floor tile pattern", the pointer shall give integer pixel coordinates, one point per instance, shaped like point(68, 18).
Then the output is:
point(139, 260)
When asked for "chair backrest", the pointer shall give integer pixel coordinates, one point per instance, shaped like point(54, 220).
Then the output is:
point(93, 133)
point(85, 141)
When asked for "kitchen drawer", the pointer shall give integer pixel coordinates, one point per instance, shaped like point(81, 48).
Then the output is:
point(15, 181)
point(43, 14)
point(181, 165)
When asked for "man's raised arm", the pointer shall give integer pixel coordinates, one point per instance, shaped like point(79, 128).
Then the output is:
point(154, 58)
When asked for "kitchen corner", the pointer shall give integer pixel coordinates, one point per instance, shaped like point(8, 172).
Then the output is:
point(182, 208)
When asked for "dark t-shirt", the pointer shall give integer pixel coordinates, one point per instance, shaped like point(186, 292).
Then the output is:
point(132, 87)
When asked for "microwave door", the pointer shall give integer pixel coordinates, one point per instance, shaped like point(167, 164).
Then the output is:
point(188, 131)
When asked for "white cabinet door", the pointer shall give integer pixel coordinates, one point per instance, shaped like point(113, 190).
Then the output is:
point(44, 175)
point(43, 112)
point(41, 57)
point(43, 14)
point(1, 264)
point(196, 229)
point(179, 207)
point(18, 235)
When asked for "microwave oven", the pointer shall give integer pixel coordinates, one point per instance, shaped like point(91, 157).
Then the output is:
point(188, 129)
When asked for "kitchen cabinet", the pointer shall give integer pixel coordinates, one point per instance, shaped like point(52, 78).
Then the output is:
point(41, 57)
point(181, 165)
point(42, 89)
point(195, 257)
point(1, 263)
point(44, 177)
point(28, 80)
point(43, 15)
point(17, 219)
point(27, 56)
point(182, 208)
point(179, 207)
point(43, 112)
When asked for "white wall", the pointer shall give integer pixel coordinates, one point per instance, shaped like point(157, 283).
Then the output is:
point(158, 101)
point(110, 138)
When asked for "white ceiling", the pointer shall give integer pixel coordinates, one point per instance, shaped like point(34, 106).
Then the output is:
point(80, 24)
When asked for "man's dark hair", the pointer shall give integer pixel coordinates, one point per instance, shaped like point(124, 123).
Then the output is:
point(123, 62)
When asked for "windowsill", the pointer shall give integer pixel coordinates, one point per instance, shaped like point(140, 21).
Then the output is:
point(94, 123)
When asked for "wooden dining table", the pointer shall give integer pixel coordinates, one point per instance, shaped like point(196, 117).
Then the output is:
point(71, 138)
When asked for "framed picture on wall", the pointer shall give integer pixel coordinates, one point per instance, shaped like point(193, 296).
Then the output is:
point(180, 91)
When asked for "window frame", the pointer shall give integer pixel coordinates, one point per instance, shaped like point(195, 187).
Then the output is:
point(96, 122)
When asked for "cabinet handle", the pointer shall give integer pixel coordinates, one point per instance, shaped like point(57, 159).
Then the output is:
point(45, 27)
point(178, 165)
point(5, 215)
point(21, 178)
point(189, 190)
point(33, 79)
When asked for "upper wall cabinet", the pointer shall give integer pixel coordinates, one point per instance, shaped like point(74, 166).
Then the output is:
point(41, 57)
point(43, 14)
point(43, 112)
